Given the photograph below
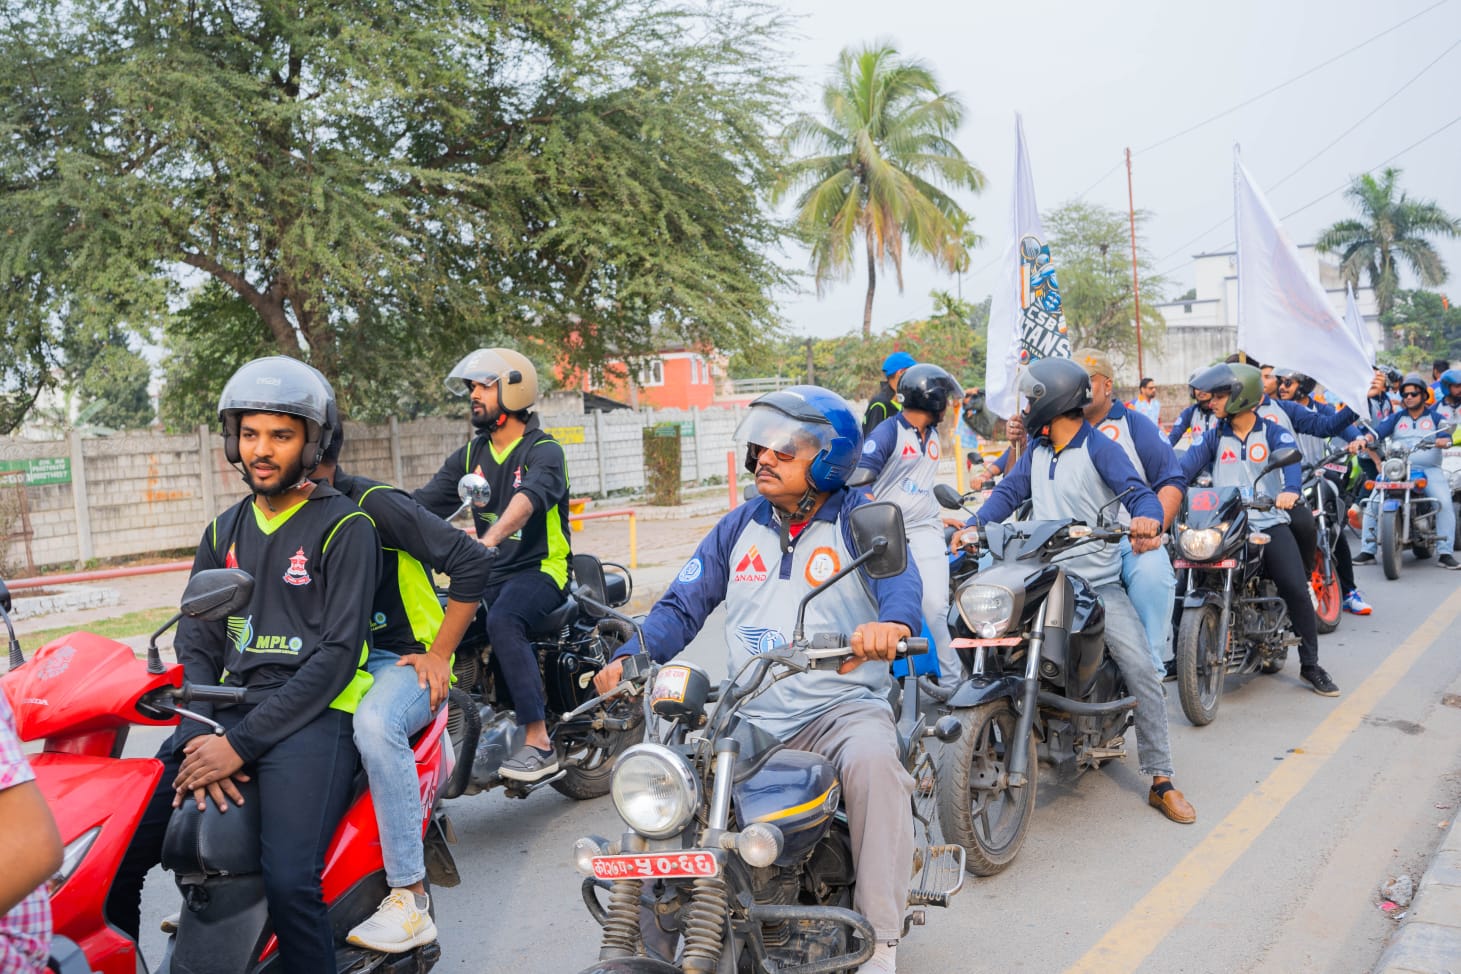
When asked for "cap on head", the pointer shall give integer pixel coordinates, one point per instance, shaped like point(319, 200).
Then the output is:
point(897, 362)
point(280, 384)
point(516, 378)
point(1094, 361)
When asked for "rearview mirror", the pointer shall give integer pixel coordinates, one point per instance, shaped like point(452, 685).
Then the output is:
point(878, 528)
point(216, 593)
point(4, 596)
point(948, 498)
point(1281, 458)
point(474, 489)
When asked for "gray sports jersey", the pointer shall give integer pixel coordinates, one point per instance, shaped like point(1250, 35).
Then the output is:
point(1071, 486)
point(908, 473)
point(1238, 463)
point(760, 614)
point(1410, 430)
point(1271, 410)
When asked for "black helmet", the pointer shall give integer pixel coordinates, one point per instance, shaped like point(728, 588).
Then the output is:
point(279, 384)
point(929, 388)
point(1054, 387)
point(1414, 379)
point(1305, 383)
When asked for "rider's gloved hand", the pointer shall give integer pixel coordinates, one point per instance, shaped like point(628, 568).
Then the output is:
point(1146, 534)
point(874, 640)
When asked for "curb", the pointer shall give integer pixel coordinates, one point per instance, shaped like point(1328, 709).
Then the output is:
point(1429, 939)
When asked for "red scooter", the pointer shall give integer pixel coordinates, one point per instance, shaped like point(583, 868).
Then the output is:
point(81, 694)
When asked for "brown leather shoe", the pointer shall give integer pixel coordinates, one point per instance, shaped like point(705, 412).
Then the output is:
point(1166, 799)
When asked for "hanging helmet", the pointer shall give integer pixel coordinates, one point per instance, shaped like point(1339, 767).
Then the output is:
point(516, 378)
point(1305, 383)
point(1054, 387)
point(279, 384)
point(1392, 374)
point(929, 388)
point(805, 421)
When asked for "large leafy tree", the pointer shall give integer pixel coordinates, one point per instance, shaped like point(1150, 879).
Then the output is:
point(393, 182)
point(879, 164)
point(1091, 247)
point(1392, 230)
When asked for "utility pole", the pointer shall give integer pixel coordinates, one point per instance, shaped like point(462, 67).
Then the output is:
point(1135, 284)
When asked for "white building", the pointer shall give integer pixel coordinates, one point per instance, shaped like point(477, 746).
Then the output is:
point(1204, 329)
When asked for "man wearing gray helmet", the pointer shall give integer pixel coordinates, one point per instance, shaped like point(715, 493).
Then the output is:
point(525, 520)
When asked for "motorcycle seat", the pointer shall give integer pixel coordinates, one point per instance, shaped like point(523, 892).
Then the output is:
point(212, 843)
point(555, 621)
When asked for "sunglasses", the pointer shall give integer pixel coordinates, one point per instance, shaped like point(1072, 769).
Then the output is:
point(1288, 382)
point(1412, 394)
point(785, 457)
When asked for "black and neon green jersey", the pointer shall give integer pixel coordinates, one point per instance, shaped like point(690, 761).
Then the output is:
point(534, 465)
point(300, 643)
point(406, 613)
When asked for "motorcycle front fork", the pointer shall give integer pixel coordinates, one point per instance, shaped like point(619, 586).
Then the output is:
point(1019, 763)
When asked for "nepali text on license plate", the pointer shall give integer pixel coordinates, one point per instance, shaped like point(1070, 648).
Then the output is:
point(678, 865)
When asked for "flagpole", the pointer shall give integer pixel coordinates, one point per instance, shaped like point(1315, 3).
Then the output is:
point(1135, 284)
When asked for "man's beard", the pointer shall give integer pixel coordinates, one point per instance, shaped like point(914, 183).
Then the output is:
point(485, 421)
point(289, 477)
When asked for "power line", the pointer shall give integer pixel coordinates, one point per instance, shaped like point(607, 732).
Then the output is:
point(1298, 77)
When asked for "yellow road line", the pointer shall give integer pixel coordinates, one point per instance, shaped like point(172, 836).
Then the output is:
point(1157, 914)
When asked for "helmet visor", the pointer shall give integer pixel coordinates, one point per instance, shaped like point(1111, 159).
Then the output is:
point(482, 367)
point(788, 438)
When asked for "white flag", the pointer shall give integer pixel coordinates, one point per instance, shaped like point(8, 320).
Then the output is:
point(1284, 316)
point(1025, 320)
point(1356, 322)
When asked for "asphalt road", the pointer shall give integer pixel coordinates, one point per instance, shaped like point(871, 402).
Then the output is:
point(1305, 805)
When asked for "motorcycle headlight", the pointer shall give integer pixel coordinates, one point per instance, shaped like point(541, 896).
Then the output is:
point(1200, 544)
point(654, 790)
point(986, 609)
point(1394, 469)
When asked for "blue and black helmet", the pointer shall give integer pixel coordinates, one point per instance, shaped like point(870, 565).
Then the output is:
point(807, 422)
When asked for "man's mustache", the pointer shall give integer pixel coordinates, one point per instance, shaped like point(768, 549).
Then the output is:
point(763, 469)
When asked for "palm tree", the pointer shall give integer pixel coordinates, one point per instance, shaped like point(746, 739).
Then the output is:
point(875, 159)
point(1392, 229)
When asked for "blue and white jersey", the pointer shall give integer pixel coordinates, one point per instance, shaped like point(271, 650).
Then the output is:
point(1407, 430)
point(1234, 461)
point(1191, 422)
point(906, 462)
point(1380, 407)
point(1077, 482)
point(1315, 447)
point(1144, 445)
point(741, 564)
point(1449, 411)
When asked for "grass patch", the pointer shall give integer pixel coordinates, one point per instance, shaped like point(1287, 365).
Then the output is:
point(141, 623)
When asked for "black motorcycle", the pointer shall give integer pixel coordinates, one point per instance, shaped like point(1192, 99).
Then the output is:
point(735, 855)
point(571, 646)
point(1232, 618)
point(1032, 636)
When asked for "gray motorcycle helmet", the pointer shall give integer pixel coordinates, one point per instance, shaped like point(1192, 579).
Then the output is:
point(279, 384)
point(1054, 387)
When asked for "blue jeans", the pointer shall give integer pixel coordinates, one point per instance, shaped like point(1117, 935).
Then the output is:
point(1151, 585)
point(1126, 643)
point(394, 708)
point(1437, 486)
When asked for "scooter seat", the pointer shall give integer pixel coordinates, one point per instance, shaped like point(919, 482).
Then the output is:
point(213, 843)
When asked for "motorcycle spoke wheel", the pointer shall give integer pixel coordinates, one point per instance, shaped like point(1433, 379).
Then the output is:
point(978, 807)
point(1201, 665)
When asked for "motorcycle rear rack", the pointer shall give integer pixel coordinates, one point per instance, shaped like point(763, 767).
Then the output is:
point(941, 878)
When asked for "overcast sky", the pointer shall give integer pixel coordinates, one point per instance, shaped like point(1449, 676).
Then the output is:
point(1094, 78)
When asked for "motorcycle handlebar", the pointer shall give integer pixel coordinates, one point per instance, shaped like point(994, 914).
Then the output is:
point(189, 693)
point(909, 646)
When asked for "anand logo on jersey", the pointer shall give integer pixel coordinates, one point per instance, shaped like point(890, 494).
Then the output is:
point(751, 567)
point(297, 573)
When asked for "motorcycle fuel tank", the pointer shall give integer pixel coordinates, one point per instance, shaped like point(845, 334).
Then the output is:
point(798, 792)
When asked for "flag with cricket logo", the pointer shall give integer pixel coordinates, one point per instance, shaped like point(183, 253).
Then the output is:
point(1025, 318)
point(1284, 314)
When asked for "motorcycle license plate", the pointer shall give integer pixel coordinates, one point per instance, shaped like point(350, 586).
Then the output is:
point(679, 865)
point(1392, 484)
point(1225, 563)
point(976, 643)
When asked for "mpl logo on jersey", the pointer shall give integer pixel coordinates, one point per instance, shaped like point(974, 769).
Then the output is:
point(751, 567)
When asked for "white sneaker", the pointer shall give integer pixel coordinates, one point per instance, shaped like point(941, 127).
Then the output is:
point(883, 960)
point(397, 925)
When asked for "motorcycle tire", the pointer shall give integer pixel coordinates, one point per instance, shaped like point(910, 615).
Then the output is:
point(990, 821)
point(1390, 544)
point(1201, 666)
point(582, 782)
point(1328, 599)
